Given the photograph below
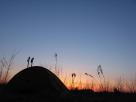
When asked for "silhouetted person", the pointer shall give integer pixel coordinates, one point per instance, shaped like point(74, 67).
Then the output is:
point(28, 60)
point(32, 60)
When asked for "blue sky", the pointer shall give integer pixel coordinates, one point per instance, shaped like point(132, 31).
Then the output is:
point(84, 33)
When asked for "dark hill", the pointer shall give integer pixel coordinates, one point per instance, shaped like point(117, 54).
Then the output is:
point(35, 82)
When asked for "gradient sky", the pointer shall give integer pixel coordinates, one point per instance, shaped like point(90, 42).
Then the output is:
point(84, 33)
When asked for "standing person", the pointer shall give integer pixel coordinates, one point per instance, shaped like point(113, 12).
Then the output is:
point(28, 61)
point(32, 60)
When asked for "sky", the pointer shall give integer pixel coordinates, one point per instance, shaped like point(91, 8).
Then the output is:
point(84, 34)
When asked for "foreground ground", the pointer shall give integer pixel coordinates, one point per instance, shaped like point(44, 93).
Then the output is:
point(74, 96)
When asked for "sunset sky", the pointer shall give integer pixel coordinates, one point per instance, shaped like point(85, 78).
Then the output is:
point(84, 34)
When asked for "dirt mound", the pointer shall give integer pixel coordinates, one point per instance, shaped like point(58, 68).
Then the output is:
point(36, 80)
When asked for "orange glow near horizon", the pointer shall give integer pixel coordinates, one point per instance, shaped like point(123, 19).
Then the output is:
point(85, 82)
point(95, 85)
